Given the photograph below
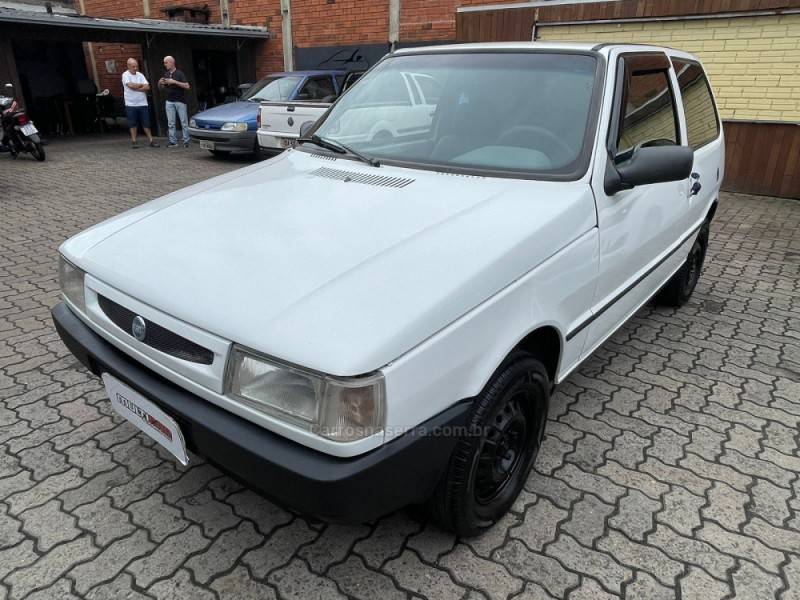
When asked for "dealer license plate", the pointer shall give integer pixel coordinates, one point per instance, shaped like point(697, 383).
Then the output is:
point(29, 129)
point(206, 145)
point(145, 415)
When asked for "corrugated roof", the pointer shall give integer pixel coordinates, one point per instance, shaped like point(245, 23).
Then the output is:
point(28, 17)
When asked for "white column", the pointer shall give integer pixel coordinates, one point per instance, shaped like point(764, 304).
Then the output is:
point(286, 28)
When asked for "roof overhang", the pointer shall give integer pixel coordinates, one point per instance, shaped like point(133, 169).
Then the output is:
point(26, 17)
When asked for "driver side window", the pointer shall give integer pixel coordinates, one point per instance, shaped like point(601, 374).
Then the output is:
point(648, 111)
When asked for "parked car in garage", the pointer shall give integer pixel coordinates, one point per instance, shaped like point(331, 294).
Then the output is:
point(232, 127)
point(363, 322)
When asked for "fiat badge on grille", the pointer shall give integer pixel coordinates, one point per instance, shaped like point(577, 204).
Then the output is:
point(139, 328)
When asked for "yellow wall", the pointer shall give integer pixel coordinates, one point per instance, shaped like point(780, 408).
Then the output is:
point(753, 63)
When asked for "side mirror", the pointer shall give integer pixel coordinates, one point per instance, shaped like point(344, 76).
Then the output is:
point(305, 128)
point(649, 164)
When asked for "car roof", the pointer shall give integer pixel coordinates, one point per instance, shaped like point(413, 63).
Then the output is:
point(309, 73)
point(538, 45)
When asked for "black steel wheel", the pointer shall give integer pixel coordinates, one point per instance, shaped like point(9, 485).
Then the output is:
point(491, 462)
point(679, 289)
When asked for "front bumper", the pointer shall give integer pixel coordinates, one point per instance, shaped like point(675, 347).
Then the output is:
point(401, 472)
point(226, 141)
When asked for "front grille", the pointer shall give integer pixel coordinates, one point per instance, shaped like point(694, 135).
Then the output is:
point(208, 125)
point(156, 336)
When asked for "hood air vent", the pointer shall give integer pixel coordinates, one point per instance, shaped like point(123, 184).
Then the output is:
point(365, 178)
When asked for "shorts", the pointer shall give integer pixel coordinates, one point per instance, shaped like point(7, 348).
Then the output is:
point(138, 115)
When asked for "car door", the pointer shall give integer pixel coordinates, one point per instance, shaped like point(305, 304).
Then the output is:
point(703, 134)
point(639, 228)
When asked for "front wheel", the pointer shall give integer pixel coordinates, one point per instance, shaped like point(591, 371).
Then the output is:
point(679, 289)
point(491, 462)
point(37, 151)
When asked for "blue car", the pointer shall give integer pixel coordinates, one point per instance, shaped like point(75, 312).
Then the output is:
point(232, 127)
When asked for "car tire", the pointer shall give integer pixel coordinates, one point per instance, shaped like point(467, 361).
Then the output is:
point(679, 289)
point(491, 461)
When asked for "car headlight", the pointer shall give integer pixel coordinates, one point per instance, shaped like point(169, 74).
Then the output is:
point(341, 409)
point(192, 123)
point(70, 279)
point(234, 127)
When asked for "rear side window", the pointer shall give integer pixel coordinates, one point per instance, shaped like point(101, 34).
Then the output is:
point(702, 124)
point(649, 115)
point(317, 88)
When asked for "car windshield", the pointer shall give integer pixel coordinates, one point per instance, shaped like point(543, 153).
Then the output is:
point(523, 112)
point(274, 89)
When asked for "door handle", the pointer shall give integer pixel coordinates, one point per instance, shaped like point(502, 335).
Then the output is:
point(696, 187)
point(290, 108)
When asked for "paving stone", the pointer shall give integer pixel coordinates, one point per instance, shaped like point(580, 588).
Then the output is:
point(598, 565)
point(43, 461)
point(10, 528)
point(489, 540)
point(191, 481)
point(791, 573)
point(121, 588)
point(726, 506)
point(50, 567)
point(681, 510)
point(558, 492)
point(682, 548)
point(279, 548)
point(591, 590)
point(537, 568)
point(239, 584)
point(16, 557)
point(752, 583)
point(641, 557)
point(414, 575)
point(93, 489)
point(588, 482)
point(266, 515)
point(357, 580)
point(387, 539)
point(539, 523)
point(179, 587)
point(61, 589)
point(770, 502)
point(774, 537)
point(90, 459)
point(143, 485)
point(110, 561)
point(644, 587)
point(472, 571)
point(166, 558)
point(634, 516)
point(43, 491)
point(533, 591)
point(213, 516)
point(740, 545)
point(158, 517)
point(224, 552)
point(430, 543)
point(586, 523)
point(49, 525)
point(633, 479)
point(332, 546)
point(296, 582)
point(698, 584)
point(134, 455)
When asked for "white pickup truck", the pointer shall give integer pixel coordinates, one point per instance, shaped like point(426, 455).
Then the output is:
point(403, 108)
point(368, 321)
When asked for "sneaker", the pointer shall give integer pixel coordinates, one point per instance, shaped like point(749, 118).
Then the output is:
point(172, 145)
point(185, 144)
point(134, 144)
point(154, 144)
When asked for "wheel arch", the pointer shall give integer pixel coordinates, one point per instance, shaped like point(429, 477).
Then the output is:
point(545, 343)
point(712, 211)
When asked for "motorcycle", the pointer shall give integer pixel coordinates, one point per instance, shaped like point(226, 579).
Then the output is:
point(19, 134)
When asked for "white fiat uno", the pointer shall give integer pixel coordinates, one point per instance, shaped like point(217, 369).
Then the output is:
point(373, 320)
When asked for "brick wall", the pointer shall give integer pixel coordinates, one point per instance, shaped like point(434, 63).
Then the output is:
point(117, 55)
point(753, 63)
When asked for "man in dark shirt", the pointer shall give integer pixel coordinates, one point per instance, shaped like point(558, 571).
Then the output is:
point(175, 84)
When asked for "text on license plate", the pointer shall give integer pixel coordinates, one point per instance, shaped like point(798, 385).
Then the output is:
point(29, 129)
point(144, 414)
point(206, 145)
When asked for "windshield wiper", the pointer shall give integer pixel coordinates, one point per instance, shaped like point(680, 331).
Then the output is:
point(340, 148)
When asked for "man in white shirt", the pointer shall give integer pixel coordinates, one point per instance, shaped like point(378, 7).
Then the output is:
point(134, 86)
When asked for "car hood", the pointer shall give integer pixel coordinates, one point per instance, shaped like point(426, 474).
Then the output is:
point(291, 258)
point(230, 112)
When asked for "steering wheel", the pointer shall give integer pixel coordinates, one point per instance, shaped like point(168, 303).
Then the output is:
point(526, 132)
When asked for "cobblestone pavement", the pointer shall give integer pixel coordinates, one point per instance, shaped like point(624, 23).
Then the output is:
point(670, 468)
